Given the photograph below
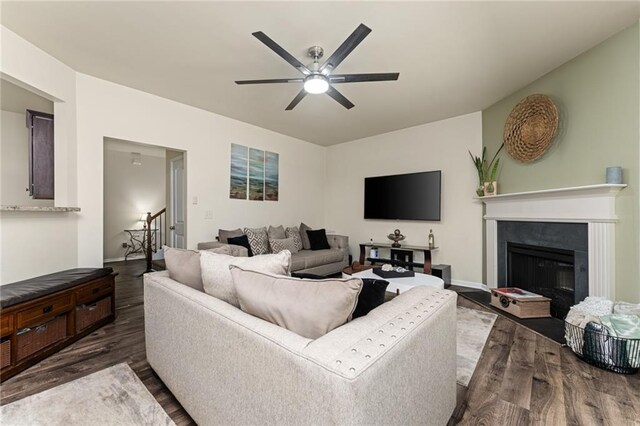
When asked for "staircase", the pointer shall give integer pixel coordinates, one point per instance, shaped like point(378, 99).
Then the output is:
point(155, 238)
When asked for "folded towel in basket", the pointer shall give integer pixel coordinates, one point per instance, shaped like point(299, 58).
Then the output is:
point(625, 327)
point(626, 308)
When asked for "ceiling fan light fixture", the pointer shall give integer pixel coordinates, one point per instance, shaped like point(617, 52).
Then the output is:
point(316, 84)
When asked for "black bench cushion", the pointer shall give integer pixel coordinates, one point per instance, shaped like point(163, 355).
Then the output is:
point(22, 291)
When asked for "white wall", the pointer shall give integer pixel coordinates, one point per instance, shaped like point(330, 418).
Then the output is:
point(442, 146)
point(129, 191)
point(34, 244)
point(88, 109)
point(110, 110)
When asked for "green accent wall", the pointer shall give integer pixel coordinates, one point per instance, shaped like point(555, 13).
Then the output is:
point(598, 96)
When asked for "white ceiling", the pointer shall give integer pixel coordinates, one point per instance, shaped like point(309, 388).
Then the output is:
point(453, 57)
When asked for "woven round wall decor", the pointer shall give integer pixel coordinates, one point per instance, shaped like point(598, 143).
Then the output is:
point(530, 128)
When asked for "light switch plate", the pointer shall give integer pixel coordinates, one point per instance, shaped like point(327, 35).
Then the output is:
point(195, 200)
point(208, 214)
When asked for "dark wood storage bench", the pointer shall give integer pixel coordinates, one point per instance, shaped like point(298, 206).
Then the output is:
point(42, 315)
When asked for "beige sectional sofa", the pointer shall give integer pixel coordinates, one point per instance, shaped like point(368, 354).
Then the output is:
point(317, 262)
point(395, 365)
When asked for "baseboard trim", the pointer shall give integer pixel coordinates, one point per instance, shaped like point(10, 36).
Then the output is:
point(470, 284)
point(120, 259)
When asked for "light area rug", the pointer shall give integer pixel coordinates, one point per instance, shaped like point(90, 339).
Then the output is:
point(113, 396)
point(473, 328)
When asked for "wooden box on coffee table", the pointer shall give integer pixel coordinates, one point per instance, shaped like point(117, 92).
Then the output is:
point(520, 303)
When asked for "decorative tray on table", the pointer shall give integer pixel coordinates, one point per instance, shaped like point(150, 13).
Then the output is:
point(393, 273)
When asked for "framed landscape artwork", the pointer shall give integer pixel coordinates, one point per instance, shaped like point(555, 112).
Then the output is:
point(271, 176)
point(239, 158)
point(254, 174)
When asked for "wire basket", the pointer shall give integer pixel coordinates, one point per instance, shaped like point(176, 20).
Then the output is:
point(603, 350)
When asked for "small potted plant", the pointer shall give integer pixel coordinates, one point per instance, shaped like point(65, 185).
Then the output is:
point(477, 161)
point(487, 173)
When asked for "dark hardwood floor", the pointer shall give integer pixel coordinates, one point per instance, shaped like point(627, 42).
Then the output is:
point(120, 341)
point(525, 378)
point(522, 377)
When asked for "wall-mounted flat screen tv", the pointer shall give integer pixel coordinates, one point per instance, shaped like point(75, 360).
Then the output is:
point(413, 196)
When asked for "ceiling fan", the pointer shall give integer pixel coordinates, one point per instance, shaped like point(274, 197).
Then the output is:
point(319, 78)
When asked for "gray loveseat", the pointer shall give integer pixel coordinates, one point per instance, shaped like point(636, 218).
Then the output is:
point(317, 262)
point(394, 366)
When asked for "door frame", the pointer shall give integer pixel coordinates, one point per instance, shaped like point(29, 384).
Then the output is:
point(172, 161)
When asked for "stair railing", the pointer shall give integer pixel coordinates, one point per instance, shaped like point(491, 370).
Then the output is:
point(155, 235)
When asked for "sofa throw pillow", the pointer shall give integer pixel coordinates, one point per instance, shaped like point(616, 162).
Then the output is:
point(216, 278)
point(318, 240)
point(258, 240)
point(283, 244)
point(371, 296)
point(310, 308)
point(241, 241)
point(304, 237)
point(184, 265)
point(224, 235)
point(276, 232)
point(295, 234)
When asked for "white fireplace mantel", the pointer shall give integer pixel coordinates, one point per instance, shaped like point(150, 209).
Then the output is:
point(592, 204)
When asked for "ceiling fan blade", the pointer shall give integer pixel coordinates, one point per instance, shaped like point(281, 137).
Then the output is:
point(339, 97)
point(281, 52)
point(345, 48)
point(296, 100)
point(358, 78)
point(274, 80)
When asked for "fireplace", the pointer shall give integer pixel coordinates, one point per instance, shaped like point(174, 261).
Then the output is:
point(547, 258)
point(546, 271)
point(588, 216)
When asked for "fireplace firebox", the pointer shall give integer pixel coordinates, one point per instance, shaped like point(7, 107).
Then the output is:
point(547, 258)
point(545, 271)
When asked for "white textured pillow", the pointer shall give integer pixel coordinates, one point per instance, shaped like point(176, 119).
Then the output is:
point(283, 244)
point(310, 308)
point(216, 278)
point(184, 265)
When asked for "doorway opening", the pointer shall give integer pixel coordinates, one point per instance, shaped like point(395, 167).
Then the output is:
point(144, 202)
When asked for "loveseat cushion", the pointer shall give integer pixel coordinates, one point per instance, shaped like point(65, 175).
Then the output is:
point(309, 308)
point(298, 260)
point(216, 278)
point(184, 265)
point(318, 257)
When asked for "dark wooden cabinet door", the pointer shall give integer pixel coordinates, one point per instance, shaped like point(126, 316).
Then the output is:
point(41, 160)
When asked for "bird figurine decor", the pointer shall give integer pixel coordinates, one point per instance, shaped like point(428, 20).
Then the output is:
point(396, 237)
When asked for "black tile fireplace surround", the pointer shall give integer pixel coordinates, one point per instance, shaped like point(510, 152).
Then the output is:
point(547, 258)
